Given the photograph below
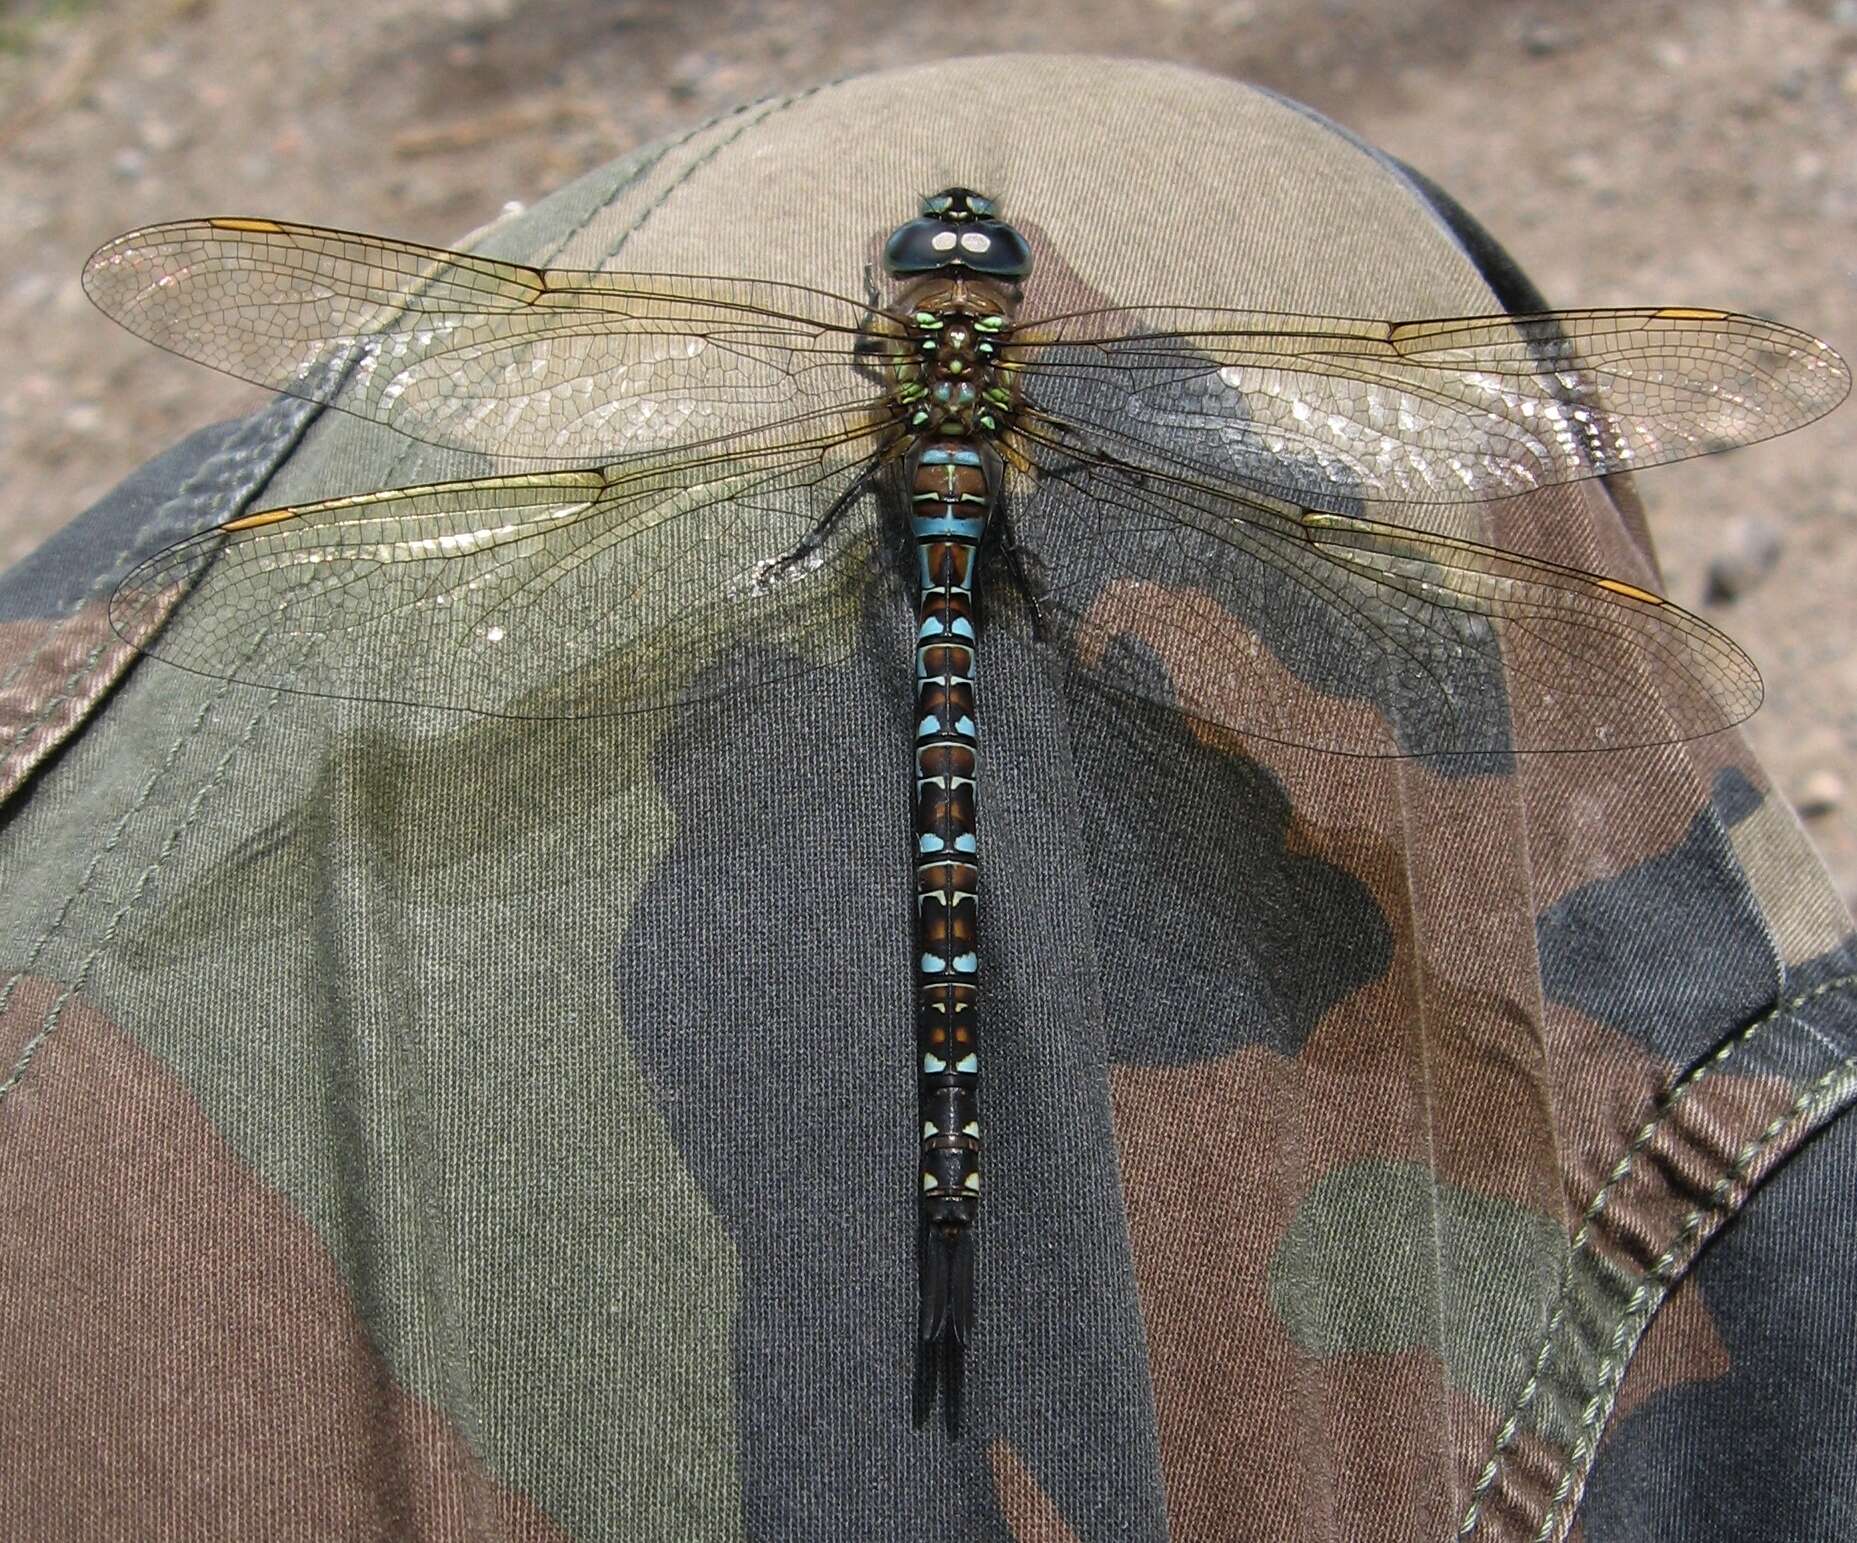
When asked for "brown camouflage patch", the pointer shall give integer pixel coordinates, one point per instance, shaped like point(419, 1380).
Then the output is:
point(1031, 1514)
point(1195, 636)
point(171, 1328)
point(1681, 1346)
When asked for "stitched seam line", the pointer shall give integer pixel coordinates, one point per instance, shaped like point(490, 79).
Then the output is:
point(195, 804)
point(55, 1011)
point(1698, 1226)
point(1511, 1427)
point(767, 107)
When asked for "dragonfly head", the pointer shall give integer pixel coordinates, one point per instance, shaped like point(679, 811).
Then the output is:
point(958, 228)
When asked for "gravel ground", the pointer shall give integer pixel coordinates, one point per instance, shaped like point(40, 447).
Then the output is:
point(1626, 152)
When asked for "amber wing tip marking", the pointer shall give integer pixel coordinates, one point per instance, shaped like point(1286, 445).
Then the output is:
point(261, 518)
point(1631, 591)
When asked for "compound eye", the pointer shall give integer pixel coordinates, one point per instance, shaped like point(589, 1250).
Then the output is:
point(957, 230)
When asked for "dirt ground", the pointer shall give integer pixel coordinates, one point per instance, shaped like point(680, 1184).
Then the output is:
point(1626, 152)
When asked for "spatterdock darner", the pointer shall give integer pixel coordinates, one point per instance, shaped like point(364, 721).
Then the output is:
point(770, 455)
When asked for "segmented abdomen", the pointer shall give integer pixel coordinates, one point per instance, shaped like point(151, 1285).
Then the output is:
point(952, 486)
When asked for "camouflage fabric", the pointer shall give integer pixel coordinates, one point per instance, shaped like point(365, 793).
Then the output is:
point(427, 1126)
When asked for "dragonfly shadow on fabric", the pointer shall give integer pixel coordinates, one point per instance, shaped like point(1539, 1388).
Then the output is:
point(1203, 831)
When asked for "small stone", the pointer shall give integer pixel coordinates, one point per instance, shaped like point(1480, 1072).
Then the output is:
point(1751, 547)
point(1821, 794)
point(690, 74)
point(160, 135)
point(1541, 39)
point(31, 289)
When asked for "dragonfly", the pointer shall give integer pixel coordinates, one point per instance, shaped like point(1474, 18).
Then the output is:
point(725, 473)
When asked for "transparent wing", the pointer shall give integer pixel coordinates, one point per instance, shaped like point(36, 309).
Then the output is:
point(1357, 636)
point(470, 352)
point(555, 365)
point(1181, 451)
point(1332, 411)
point(548, 595)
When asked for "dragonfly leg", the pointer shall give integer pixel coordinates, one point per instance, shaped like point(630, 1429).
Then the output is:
point(871, 343)
point(1089, 455)
point(1015, 560)
point(874, 354)
point(795, 556)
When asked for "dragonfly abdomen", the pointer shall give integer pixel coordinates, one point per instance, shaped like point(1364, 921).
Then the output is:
point(953, 484)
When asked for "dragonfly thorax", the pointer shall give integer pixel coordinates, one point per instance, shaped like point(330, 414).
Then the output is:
point(949, 376)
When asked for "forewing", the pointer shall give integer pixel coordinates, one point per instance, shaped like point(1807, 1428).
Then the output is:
point(551, 595)
point(1356, 636)
point(1331, 411)
point(466, 351)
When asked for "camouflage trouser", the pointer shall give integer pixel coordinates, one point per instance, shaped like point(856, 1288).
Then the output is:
point(419, 1124)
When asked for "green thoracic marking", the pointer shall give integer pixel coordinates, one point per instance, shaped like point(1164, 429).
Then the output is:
point(998, 394)
point(989, 324)
point(928, 319)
